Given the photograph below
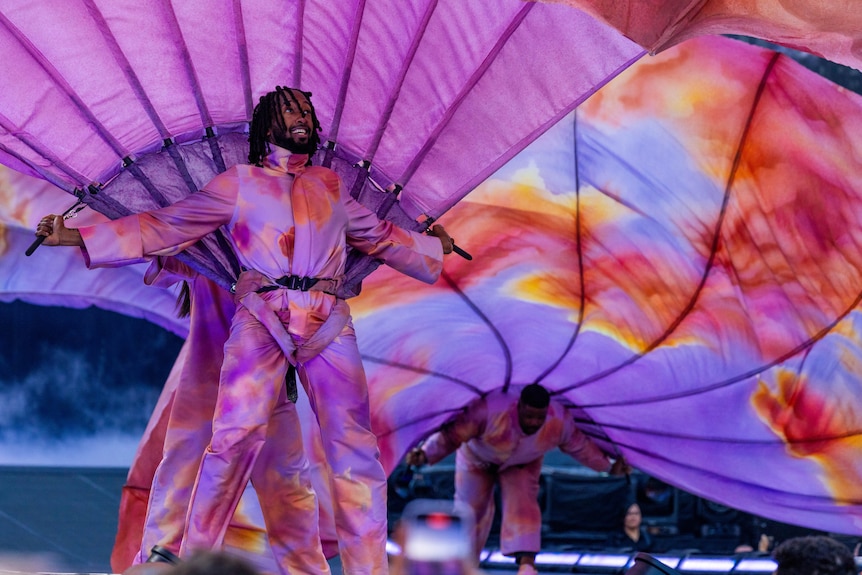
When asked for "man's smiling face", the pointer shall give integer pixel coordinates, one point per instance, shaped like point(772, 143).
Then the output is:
point(297, 116)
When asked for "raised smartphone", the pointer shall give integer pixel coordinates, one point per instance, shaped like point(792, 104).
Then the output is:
point(438, 537)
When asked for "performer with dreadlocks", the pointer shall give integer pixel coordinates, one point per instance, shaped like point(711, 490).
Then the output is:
point(290, 224)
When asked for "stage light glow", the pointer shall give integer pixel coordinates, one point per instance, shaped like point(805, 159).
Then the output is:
point(671, 562)
point(557, 558)
point(759, 565)
point(499, 558)
point(707, 564)
point(603, 560)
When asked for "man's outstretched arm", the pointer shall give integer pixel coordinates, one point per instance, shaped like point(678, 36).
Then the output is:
point(466, 426)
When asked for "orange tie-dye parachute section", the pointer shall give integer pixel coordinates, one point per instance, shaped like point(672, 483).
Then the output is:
point(832, 30)
point(681, 259)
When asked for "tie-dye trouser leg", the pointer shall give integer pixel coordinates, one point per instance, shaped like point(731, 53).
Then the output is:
point(474, 487)
point(189, 427)
point(188, 435)
point(251, 406)
point(135, 496)
point(521, 528)
point(335, 383)
point(281, 478)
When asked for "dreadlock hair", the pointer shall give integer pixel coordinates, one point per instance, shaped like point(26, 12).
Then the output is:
point(267, 114)
point(535, 395)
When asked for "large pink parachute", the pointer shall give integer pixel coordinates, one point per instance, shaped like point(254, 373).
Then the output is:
point(672, 259)
point(134, 107)
point(680, 260)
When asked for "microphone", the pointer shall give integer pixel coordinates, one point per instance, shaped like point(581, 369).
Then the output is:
point(461, 252)
point(36, 243)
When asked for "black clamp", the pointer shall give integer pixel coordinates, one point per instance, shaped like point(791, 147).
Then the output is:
point(297, 282)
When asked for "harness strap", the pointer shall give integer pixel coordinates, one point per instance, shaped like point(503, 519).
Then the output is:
point(301, 283)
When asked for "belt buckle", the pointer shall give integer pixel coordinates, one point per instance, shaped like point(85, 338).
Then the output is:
point(288, 281)
point(296, 282)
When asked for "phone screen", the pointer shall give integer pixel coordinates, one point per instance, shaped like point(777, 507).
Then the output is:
point(437, 538)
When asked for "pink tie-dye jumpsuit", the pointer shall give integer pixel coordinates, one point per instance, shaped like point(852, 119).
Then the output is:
point(284, 218)
point(293, 547)
point(492, 448)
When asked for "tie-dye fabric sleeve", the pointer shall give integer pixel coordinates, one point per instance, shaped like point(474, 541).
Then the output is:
point(411, 253)
point(463, 428)
point(577, 445)
point(163, 232)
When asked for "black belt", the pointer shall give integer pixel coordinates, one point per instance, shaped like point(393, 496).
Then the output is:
point(291, 282)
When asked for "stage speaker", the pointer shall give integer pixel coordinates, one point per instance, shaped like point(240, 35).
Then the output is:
point(584, 503)
point(434, 483)
point(721, 526)
point(646, 564)
point(659, 502)
point(711, 512)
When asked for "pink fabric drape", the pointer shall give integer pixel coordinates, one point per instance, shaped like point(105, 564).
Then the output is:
point(832, 30)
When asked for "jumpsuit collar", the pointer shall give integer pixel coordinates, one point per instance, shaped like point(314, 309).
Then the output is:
point(283, 160)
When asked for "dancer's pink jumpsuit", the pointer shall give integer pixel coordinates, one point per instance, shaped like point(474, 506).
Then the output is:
point(155, 497)
point(295, 548)
point(284, 218)
point(492, 448)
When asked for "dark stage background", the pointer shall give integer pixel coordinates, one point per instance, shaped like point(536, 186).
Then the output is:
point(77, 386)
